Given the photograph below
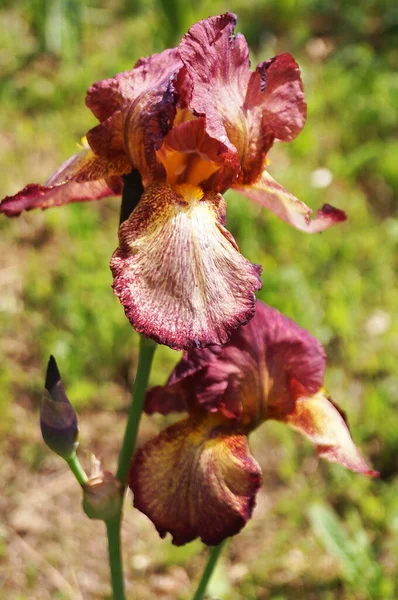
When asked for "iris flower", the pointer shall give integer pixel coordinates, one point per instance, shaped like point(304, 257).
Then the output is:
point(194, 121)
point(198, 478)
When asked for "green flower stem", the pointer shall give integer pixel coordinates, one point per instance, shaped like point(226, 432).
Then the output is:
point(115, 557)
point(77, 469)
point(147, 350)
point(208, 571)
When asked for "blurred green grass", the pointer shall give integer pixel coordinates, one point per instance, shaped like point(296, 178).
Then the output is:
point(55, 294)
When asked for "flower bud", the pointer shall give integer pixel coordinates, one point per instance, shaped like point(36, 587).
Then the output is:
point(58, 420)
point(102, 494)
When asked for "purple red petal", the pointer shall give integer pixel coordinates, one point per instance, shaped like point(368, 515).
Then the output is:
point(81, 178)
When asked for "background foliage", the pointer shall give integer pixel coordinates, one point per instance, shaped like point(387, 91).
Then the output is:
point(318, 531)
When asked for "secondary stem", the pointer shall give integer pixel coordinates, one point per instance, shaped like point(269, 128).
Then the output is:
point(208, 571)
point(147, 350)
point(77, 469)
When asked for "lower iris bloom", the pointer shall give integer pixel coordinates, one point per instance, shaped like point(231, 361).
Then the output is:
point(194, 121)
point(198, 478)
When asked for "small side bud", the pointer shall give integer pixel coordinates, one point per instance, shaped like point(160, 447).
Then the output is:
point(58, 420)
point(102, 494)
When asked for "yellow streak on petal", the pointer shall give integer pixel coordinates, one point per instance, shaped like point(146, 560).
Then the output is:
point(182, 116)
point(190, 193)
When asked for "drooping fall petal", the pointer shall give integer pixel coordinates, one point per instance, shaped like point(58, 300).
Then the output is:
point(270, 194)
point(196, 479)
point(178, 272)
point(322, 423)
point(81, 178)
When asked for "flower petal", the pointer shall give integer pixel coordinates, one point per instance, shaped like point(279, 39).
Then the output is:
point(322, 423)
point(81, 178)
point(275, 108)
point(183, 382)
point(270, 194)
point(250, 376)
point(217, 62)
point(178, 272)
point(196, 479)
point(244, 110)
point(136, 109)
point(190, 155)
point(276, 88)
point(108, 96)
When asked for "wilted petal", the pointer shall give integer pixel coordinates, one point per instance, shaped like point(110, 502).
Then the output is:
point(322, 423)
point(178, 272)
point(270, 194)
point(78, 179)
point(196, 480)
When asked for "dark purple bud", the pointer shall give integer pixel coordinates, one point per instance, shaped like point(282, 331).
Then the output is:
point(58, 420)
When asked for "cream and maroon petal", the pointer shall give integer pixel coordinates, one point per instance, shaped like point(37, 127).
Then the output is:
point(217, 62)
point(196, 479)
point(106, 97)
point(322, 423)
point(180, 279)
point(270, 194)
point(81, 178)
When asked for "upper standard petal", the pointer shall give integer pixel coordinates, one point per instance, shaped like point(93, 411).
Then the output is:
point(245, 110)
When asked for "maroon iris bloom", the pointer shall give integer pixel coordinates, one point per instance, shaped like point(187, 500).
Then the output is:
point(194, 121)
point(198, 478)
